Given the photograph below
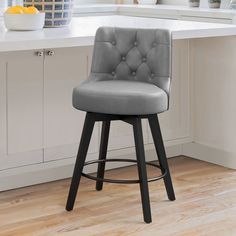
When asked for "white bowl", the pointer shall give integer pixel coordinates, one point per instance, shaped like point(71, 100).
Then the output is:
point(147, 2)
point(24, 21)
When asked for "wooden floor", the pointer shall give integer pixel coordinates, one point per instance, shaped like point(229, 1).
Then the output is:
point(205, 205)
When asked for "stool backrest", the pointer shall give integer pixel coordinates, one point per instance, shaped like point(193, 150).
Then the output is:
point(133, 54)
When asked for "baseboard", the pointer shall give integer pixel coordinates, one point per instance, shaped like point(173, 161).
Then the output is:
point(62, 169)
point(210, 154)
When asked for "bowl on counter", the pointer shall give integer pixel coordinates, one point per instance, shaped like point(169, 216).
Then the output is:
point(24, 21)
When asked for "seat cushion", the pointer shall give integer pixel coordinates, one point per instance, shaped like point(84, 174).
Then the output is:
point(121, 97)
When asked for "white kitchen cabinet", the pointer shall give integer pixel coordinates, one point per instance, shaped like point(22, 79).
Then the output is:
point(64, 70)
point(21, 99)
point(3, 110)
point(121, 135)
point(39, 125)
point(37, 120)
point(214, 87)
point(175, 123)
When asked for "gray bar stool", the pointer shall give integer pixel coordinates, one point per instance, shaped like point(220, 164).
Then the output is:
point(129, 81)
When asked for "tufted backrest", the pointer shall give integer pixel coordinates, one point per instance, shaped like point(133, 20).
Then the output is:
point(133, 54)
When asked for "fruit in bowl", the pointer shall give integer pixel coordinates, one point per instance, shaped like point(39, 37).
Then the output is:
point(23, 18)
point(22, 10)
point(30, 10)
point(15, 10)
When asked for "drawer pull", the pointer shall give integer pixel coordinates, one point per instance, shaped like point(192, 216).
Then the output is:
point(50, 53)
point(39, 53)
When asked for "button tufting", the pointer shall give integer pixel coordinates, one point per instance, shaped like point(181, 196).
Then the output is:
point(144, 59)
point(113, 73)
point(154, 44)
point(135, 43)
point(133, 73)
point(152, 75)
point(123, 58)
point(113, 42)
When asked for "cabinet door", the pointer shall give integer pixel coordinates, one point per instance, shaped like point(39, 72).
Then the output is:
point(3, 110)
point(121, 135)
point(21, 109)
point(175, 122)
point(63, 124)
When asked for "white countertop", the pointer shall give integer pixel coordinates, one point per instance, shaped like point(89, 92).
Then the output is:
point(82, 30)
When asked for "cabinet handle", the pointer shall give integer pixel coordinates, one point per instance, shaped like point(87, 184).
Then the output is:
point(39, 53)
point(50, 53)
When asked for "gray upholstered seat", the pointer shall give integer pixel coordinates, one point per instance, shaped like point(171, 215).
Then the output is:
point(130, 73)
point(120, 97)
point(129, 81)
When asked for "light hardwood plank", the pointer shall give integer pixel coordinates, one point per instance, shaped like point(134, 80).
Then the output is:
point(205, 205)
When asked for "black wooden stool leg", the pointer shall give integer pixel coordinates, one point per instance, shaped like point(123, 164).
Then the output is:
point(81, 156)
point(160, 149)
point(138, 138)
point(102, 153)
